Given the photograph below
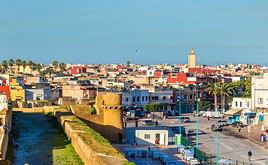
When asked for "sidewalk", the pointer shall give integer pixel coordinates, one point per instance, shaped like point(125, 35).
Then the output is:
point(253, 136)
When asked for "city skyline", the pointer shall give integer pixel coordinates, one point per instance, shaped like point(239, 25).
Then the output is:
point(144, 32)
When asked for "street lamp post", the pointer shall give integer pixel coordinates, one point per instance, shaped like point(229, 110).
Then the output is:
point(179, 100)
point(217, 147)
point(197, 118)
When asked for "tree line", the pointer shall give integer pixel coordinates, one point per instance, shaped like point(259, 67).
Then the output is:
point(229, 90)
point(9, 64)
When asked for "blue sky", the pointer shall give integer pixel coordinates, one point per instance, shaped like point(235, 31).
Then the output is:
point(98, 31)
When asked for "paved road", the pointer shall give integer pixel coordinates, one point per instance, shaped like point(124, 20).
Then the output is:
point(40, 142)
point(33, 142)
point(229, 147)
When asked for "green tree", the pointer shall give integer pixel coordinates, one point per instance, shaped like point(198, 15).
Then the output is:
point(226, 90)
point(128, 63)
point(152, 107)
point(24, 64)
point(62, 66)
point(214, 89)
point(243, 88)
point(38, 67)
point(18, 64)
point(55, 64)
point(5, 65)
point(11, 63)
point(204, 105)
point(30, 63)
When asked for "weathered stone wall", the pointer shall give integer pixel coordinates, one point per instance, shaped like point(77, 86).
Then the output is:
point(109, 118)
point(89, 150)
point(6, 116)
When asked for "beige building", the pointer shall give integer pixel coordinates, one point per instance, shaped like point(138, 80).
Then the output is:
point(191, 59)
point(259, 92)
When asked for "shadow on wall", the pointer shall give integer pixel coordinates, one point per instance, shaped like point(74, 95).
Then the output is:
point(112, 133)
point(109, 118)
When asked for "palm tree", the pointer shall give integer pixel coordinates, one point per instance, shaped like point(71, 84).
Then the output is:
point(39, 67)
point(214, 89)
point(5, 65)
point(24, 64)
point(55, 64)
point(227, 89)
point(62, 66)
point(30, 64)
point(11, 63)
point(18, 64)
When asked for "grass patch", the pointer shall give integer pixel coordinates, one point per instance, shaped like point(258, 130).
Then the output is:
point(92, 138)
point(63, 152)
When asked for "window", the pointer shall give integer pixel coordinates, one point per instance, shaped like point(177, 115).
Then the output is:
point(185, 96)
point(138, 98)
point(126, 99)
point(142, 98)
point(248, 104)
point(164, 97)
point(134, 99)
point(191, 96)
point(146, 136)
point(260, 100)
point(146, 98)
point(240, 104)
point(236, 104)
point(156, 97)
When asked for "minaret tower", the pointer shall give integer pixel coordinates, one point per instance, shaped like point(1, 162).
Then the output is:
point(191, 59)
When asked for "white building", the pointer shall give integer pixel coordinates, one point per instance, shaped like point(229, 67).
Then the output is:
point(150, 72)
point(135, 97)
point(3, 102)
point(151, 136)
point(259, 92)
point(241, 103)
point(163, 96)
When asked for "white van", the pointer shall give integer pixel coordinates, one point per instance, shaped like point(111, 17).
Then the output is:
point(213, 114)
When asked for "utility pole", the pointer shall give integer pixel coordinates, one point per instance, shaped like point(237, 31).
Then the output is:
point(197, 117)
point(217, 147)
point(179, 100)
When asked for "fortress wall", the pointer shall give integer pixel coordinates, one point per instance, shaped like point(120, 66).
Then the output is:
point(109, 118)
point(84, 143)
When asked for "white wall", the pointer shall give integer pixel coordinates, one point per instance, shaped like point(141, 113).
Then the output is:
point(140, 137)
point(139, 95)
point(259, 91)
point(241, 103)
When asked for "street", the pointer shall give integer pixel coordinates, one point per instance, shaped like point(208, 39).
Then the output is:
point(230, 147)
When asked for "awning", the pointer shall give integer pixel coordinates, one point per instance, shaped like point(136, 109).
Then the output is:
point(233, 112)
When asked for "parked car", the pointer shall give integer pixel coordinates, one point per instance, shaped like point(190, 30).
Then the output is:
point(201, 113)
point(194, 161)
point(238, 124)
point(147, 122)
point(185, 119)
point(222, 122)
point(216, 127)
